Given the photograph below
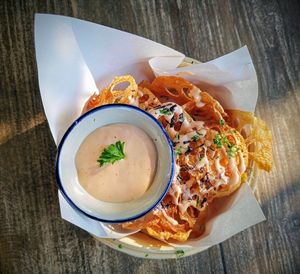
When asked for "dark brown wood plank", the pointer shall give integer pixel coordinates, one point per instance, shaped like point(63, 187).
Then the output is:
point(33, 237)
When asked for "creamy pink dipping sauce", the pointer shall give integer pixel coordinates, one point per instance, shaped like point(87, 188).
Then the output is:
point(126, 179)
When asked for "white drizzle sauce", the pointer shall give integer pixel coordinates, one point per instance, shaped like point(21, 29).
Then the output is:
point(185, 204)
point(169, 219)
point(242, 166)
point(186, 192)
point(187, 131)
point(195, 93)
point(186, 125)
point(221, 173)
point(175, 189)
point(235, 176)
point(140, 93)
point(133, 101)
point(183, 141)
point(204, 161)
point(199, 125)
point(219, 168)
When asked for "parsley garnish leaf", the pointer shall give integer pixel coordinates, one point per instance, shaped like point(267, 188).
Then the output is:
point(222, 122)
point(177, 151)
point(165, 111)
point(196, 137)
point(221, 140)
point(231, 153)
point(179, 253)
point(218, 141)
point(112, 153)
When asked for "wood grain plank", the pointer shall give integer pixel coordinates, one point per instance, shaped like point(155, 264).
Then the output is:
point(33, 237)
point(273, 246)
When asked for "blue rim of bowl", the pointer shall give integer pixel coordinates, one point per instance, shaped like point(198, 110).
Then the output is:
point(65, 136)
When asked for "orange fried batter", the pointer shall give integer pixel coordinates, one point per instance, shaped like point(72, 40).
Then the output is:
point(256, 134)
point(171, 89)
point(212, 149)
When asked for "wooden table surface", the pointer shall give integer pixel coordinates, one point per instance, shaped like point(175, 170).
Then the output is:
point(34, 238)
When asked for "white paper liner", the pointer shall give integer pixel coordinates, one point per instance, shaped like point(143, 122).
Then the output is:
point(76, 57)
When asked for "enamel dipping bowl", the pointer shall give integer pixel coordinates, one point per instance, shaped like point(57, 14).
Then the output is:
point(66, 171)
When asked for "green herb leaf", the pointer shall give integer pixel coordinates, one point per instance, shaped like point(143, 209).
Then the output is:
point(179, 253)
point(146, 255)
point(165, 111)
point(112, 153)
point(120, 246)
point(177, 151)
point(231, 153)
point(222, 122)
point(225, 140)
point(218, 141)
point(196, 137)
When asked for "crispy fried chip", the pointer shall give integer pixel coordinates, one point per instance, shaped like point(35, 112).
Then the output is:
point(214, 149)
point(110, 96)
point(147, 98)
point(255, 132)
point(159, 233)
point(96, 100)
point(209, 110)
point(171, 88)
point(123, 96)
point(132, 94)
